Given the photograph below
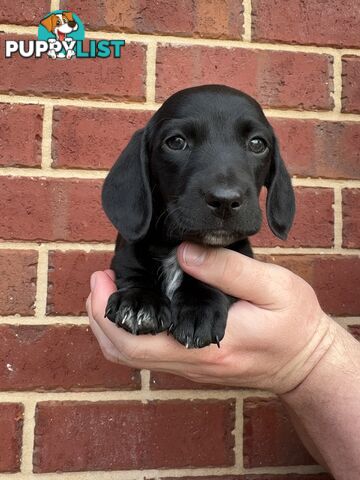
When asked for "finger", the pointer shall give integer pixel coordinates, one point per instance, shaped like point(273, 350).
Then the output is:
point(233, 273)
point(107, 347)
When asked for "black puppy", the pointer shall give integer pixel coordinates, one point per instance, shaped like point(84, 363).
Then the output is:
point(193, 173)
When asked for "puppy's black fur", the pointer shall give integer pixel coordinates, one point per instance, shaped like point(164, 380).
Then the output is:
point(193, 173)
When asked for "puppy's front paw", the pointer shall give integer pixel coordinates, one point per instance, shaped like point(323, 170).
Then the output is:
point(139, 311)
point(197, 324)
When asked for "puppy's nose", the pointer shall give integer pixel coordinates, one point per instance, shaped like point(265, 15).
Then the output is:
point(72, 23)
point(223, 201)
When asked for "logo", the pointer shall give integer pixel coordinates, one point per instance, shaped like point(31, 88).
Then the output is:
point(61, 34)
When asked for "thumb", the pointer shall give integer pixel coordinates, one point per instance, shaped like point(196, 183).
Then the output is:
point(232, 273)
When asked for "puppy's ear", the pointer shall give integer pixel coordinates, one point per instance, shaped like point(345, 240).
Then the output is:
point(126, 195)
point(68, 16)
point(49, 23)
point(280, 200)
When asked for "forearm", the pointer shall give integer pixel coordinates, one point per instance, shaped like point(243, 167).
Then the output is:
point(325, 407)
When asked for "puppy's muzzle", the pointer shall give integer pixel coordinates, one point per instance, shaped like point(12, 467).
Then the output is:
point(224, 202)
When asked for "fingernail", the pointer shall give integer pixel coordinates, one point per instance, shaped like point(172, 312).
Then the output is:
point(194, 254)
point(93, 281)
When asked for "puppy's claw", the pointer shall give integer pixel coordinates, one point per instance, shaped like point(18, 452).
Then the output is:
point(217, 341)
point(170, 329)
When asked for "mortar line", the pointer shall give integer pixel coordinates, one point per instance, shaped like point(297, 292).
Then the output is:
point(44, 320)
point(238, 434)
point(189, 41)
point(337, 81)
point(41, 282)
point(145, 380)
point(46, 154)
point(247, 20)
point(58, 246)
point(55, 5)
point(324, 115)
point(83, 320)
point(28, 436)
point(103, 395)
point(88, 247)
point(338, 220)
point(74, 173)
point(161, 473)
point(151, 73)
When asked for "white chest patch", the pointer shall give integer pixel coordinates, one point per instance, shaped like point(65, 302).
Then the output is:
point(171, 273)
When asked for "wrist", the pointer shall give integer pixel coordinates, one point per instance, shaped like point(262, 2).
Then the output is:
point(295, 372)
point(336, 353)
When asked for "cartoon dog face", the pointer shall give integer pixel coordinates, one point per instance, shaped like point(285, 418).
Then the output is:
point(60, 24)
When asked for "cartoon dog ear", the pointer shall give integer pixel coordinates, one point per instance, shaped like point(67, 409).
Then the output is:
point(280, 200)
point(126, 195)
point(68, 16)
point(49, 22)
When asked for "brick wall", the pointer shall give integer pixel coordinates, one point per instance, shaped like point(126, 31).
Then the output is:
point(63, 408)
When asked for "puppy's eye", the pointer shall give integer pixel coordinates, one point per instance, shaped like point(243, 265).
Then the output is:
point(257, 145)
point(176, 143)
point(57, 22)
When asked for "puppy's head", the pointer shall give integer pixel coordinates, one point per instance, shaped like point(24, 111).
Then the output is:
point(196, 170)
point(63, 22)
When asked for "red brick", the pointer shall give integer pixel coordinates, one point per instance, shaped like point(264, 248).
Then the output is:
point(351, 217)
point(11, 422)
point(53, 209)
point(20, 142)
point(203, 18)
point(335, 23)
point(314, 148)
point(355, 331)
point(106, 78)
point(69, 277)
point(167, 381)
point(23, 13)
point(313, 225)
point(75, 128)
point(350, 95)
point(133, 435)
point(270, 439)
point(335, 279)
point(58, 357)
point(276, 79)
point(17, 282)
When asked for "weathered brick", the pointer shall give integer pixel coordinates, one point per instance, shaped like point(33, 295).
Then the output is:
point(269, 437)
point(277, 79)
point(53, 209)
point(58, 357)
point(315, 148)
point(133, 435)
point(17, 281)
point(117, 78)
point(350, 95)
point(335, 23)
point(313, 225)
point(351, 217)
point(330, 276)
point(203, 18)
point(74, 130)
point(21, 135)
point(355, 331)
point(22, 12)
point(68, 279)
point(11, 422)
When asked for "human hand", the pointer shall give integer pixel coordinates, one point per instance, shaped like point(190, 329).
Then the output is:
point(275, 335)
